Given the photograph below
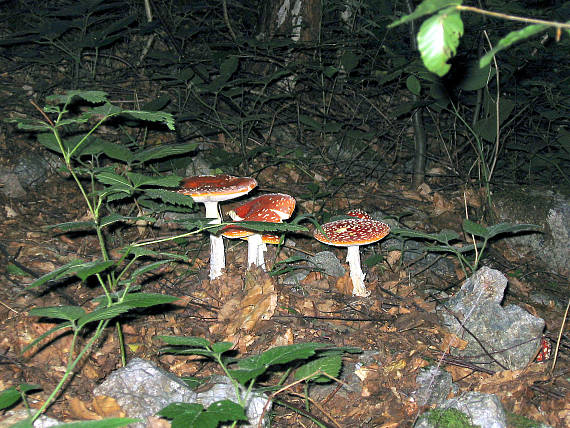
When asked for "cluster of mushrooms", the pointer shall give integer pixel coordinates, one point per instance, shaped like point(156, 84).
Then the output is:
point(358, 230)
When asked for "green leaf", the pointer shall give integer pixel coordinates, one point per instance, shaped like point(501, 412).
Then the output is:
point(139, 180)
point(27, 387)
point(74, 225)
point(475, 229)
point(143, 251)
point(330, 365)
point(147, 268)
point(159, 152)
point(169, 197)
point(426, 7)
point(229, 66)
point(92, 268)
point(56, 274)
point(413, 84)
point(103, 423)
point(476, 77)
point(152, 116)
point(500, 228)
point(116, 151)
point(438, 39)
point(94, 97)
point(349, 61)
point(70, 313)
point(118, 182)
point(185, 341)
point(106, 313)
point(221, 347)
point(510, 39)
point(8, 397)
point(145, 300)
point(282, 355)
point(184, 414)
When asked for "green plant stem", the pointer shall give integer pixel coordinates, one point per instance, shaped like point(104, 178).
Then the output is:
point(512, 17)
point(72, 363)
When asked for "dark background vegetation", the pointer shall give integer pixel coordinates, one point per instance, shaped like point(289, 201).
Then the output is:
point(336, 102)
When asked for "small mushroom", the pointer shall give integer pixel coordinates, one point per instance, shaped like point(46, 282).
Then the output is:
point(353, 233)
point(209, 190)
point(270, 208)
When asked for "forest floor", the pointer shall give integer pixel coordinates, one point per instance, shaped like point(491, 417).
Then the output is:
point(395, 321)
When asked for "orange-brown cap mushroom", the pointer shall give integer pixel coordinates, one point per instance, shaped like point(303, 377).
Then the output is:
point(352, 233)
point(209, 190)
point(270, 208)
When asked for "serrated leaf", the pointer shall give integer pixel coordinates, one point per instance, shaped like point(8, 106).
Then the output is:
point(169, 197)
point(116, 151)
point(330, 365)
point(226, 410)
point(185, 341)
point(116, 181)
point(438, 39)
point(245, 375)
point(144, 251)
point(282, 355)
point(152, 116)
point(8, 397)
point(92, 268)
point(93, 97)
point(101, 314)
point(147, 268)
point(139, 180)
point(145, 300)
point(74, 225)
point(56, 274)
point(70, 313)
point(185, 411)
point(159, 152)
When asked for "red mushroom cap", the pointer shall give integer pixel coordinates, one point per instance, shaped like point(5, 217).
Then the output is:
point(281, 204)
point(357, 212)
point(206, 188)
point(349, 232)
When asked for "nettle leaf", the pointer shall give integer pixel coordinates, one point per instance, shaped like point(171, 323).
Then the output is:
point(182, 414)
point(330, 365)
point(74, 225)
point(101, 314)
point(221, 347)
point(147, 268)
point(185, 341)
point(169, 196)
point(282, 355)
point(92, 268)
point(139, 180)
point(116, 181)
point(94, 97)
point(70, 313)
point(146, 300)
point(115, 151)
point(105, 110)
point(143, 251)
point(163, 151)
point(56, 274)
point(152, 116)
point(438, 39)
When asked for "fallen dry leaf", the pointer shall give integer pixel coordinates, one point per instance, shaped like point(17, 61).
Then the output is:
point(107, 407)
point(78, 410)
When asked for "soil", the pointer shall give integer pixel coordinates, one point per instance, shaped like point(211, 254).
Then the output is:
point(395, 321)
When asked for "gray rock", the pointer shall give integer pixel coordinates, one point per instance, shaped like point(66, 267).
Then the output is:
point(328, 263)
point(542, 207)
point(10, 186)
point(510, 334)
point(435, 385)
point(484, 410)
point(14, 416)
point(142, 389)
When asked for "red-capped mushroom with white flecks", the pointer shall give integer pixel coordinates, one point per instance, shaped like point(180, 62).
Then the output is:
point(353, 233)
point(357, 212)
point(209, 190)
point(270, 208)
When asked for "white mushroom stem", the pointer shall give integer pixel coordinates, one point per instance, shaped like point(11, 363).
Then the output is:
point(356, 274)
point(217, 254)
point(256, 251)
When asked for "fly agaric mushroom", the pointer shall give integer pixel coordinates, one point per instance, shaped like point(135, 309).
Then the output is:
point(357, 212)
point(352, 233)
point(209, 190)
point(270, 208)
